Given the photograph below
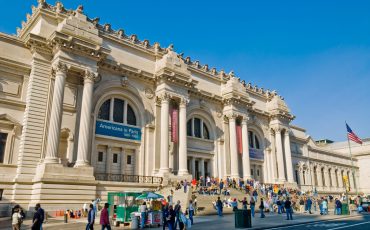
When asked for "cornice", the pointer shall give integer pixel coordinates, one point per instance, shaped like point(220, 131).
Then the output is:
point(205, 95)
point(18, 67)
point(328, 152)
point(19, 104)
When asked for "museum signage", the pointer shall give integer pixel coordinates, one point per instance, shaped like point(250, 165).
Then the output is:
point(117, 130)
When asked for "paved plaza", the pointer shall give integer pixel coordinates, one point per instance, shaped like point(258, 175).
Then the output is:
point(272, 221)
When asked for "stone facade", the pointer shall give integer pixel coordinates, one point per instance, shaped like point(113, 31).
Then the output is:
point(85, 109)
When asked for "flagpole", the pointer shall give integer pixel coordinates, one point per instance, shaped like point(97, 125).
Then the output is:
point(352, 167)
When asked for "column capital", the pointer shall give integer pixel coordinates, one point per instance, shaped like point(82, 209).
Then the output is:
point(245, 119)
point(184, 101)
point(164, 97)
point(231, 115)
point(60, 67)
point(90, 76)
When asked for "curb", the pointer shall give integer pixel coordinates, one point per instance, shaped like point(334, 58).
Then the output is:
point(306, 222)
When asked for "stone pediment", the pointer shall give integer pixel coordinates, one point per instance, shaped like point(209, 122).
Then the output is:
point(79, 27)
point(234, 89)
point(277, 104)
point(172, 61)
point(7, 119)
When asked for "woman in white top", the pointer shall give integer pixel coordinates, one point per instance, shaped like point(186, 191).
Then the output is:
point(191, 211)
point(16, 219)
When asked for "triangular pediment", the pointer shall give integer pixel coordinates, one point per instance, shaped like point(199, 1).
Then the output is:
point(7, 119)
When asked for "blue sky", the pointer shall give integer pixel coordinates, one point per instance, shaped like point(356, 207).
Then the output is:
point(316, 54)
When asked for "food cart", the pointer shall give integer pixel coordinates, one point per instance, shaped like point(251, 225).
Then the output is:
point(121, 205)
point(154, 214)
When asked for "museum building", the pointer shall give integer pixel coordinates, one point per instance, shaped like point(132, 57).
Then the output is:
point(86, 109)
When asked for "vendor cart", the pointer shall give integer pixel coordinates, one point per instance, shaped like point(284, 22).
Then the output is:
point(122, 204)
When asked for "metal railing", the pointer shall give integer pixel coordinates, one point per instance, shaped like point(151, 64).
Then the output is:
point(128, 178)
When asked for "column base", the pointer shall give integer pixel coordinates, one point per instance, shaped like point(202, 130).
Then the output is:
point(234, 176)
point(247, 177)
point(50, 160)
point(81, 164)
point(183, 172)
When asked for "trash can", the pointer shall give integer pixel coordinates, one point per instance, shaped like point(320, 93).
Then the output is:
point(243, 218)
point(134, 221)
point(345, 209)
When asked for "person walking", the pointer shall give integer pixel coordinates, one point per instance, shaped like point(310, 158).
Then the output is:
point(262, 207)
point(278, 203)
point(185, 186)
point(16, 219)
point(324, 207)
point(143, 210)
point(42, 214)
point(191, 211)
point(301, 205)
point(338, 207)
point(219, 206)
point(309, 205)
point(165, 215)
point(177, 212)
point(90, 218)
point(104, 218)
point(288, 209)
point(252, 203)
point(244, 203)
point(36, 220)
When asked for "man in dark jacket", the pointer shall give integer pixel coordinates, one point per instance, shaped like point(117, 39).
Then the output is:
point(171, 218)
point(90, 218)
point(288, 209)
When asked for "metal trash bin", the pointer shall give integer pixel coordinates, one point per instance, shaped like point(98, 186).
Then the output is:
point(345, 209)
point(243, 218)
point(134, 221)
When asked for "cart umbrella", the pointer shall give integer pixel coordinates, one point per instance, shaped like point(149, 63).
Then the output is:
point(149, 195)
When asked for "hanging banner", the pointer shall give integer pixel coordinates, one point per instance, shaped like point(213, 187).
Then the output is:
point(256, 154)
point(117, 130)
point(174, 125)
point(239, 140)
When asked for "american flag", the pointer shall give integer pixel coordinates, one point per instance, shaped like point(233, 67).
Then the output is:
point(352, 136)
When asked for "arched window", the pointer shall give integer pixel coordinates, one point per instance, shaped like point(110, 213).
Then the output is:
point(117, 110)
point(196, 127)
point(253, 139)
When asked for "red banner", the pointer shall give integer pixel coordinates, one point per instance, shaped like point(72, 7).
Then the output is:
point(239, 141)
point(174, 125)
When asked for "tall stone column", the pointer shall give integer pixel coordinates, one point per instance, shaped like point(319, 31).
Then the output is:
point(340, 178)
point(279, 155)
point(288, 157)
point(109, 160)
point(183, 151)
point(333, 178)
point(273, 157)
point(319, 176)
point(233, 148)
point(56, 114)
point(193, 166)
point(245, 158)
point(351, 181)
point(327, 177)
point(164, 163)
point(85, 120)
point(301, 176)
point(123, 161)
point(202, 171)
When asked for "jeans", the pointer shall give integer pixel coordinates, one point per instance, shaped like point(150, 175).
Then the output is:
point(252, 211)
point(176, 221)
point(191, 214)
point(142, 220)
point(170, 225)
point(338, 211)
point(279, 209)
point(262, 214)
point(219, 211)
point(289, 212)
point(309, 208)
point(88, 227)
point(105, 226)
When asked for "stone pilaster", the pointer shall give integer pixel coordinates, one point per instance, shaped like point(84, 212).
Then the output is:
point(233, 147)
point(340, 178)
point(56, 114)
point(245, 158)
point(279, 154)
point(288, 158)
point(164, 163)
point(183, 156)
point(85, 120)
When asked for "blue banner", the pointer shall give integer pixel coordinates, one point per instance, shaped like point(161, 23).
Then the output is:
point(256, 154)
point(117, 130)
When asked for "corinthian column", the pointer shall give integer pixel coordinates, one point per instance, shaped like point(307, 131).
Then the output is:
point(85, 119)
point(233, 148)
point(56, 114)
point(319, 176)
point(183, 156)
point(326, 177)
point(245, 159)
point(288, 157)
point(333, 178)
point(164, 162)
point(340, 178)
point(279, 154)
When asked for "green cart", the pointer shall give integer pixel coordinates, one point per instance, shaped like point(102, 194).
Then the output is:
point(122, 204)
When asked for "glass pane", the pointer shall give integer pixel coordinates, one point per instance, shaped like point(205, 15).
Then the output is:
point(100, 156)
point(257, 142)
point(3, 137)
point(118, 110)
point(197, 127)
point(188, 128)
point(205, 132)
point(250, 139)
point(104, 110)
point(131, 118)
point(128, 159)
point(115, 158)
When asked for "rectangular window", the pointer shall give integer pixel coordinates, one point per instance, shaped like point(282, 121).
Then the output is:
point(118, 110)
point(1, 194)
point(115, 158)
point(100, 156)
point(250, 139)
point(3, 137)
point(258, 172)
point(252, 172)
point(128, 159)
point(197, 127)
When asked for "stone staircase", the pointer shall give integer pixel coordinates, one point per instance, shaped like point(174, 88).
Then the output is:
point(205, 206)
point(177, 195)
